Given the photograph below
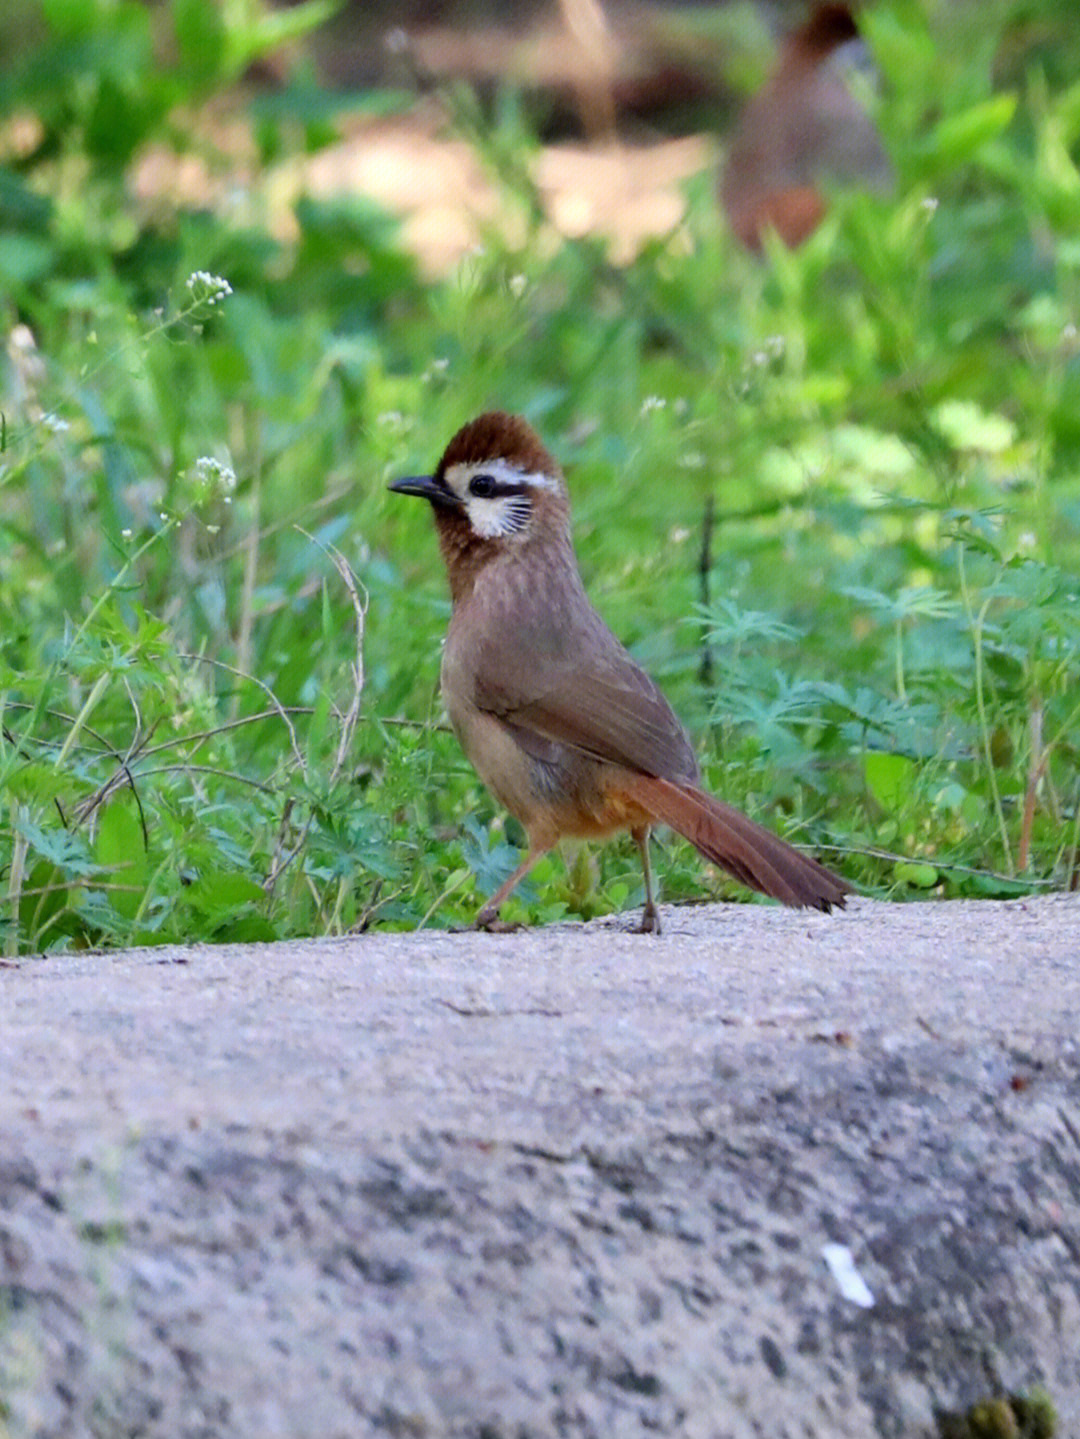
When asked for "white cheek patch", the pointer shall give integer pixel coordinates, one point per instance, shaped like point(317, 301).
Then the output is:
point(499, 516)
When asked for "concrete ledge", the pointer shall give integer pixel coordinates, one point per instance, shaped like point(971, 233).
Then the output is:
point(565, 1182)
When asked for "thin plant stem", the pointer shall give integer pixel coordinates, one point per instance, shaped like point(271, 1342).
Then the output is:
point(89, 705)
point(251, 573)
point(15, 881)
point(977, 624)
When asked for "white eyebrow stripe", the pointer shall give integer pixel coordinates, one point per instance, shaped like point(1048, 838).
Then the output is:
point(538, 479)
point(503, 471)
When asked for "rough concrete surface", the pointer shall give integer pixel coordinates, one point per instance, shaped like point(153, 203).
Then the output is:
point(571, 1181)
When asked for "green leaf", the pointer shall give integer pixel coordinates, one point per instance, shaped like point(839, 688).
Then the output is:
point(20, 206)
point(919, 876)
point(35, 781)
point(43, 895)
point(958, 137)
point(59, 846)
point(200, 36)
point(967, 426)
point(889, 778)
point(24, 259)
point(221, 894)
point(247, 929)
point(120, 850)
point(276, 27)
point(72, 17)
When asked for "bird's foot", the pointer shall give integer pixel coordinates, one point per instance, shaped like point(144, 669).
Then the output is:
point(650, 920)
point(489, 921)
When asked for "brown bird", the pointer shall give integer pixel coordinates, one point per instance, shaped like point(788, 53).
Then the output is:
point(804, 126)
point(564, 728)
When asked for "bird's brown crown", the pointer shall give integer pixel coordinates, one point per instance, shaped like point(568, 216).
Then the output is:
point(497, 435)
point(827, 28)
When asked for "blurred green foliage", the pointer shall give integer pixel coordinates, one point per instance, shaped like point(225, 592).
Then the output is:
point(219, 635)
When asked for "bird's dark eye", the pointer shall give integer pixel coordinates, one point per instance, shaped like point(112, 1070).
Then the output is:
point(482, 486)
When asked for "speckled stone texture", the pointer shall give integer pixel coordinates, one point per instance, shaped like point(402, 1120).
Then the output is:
point(564, 1182)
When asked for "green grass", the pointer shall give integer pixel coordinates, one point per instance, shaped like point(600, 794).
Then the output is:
point(218, 703)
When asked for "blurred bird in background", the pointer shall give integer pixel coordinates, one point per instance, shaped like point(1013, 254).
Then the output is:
point(804, 128)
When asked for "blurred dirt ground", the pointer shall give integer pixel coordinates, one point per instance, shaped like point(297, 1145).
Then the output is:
point(628, 102)
point(438, 188)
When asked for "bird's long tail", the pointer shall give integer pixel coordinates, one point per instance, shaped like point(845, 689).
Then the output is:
point(736, 843)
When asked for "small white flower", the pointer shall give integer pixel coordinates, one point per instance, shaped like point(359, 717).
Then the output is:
point(679, 535)
point(652, 402)
point(1026, 542)
point(125, 534)
point(517, 285)
point(214, 475)
point(930, 204)
point(208, 288)
point(55, 423)
point(692, 460)
point(1069, 332)
point(435, 370)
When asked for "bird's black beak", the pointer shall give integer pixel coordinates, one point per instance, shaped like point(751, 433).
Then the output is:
point(422, 485)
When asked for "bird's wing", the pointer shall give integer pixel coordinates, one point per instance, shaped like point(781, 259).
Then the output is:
point(606, 707)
